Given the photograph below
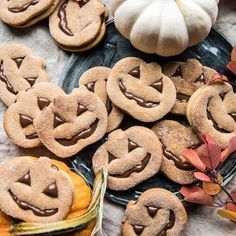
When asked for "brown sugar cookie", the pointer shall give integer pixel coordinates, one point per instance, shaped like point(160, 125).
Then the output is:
point(19, 12)
point(157, 212)
point(75, 24)
point(19, 70)
point(188, 77)
point(19, 117)
point(140, 89)
point(131, 156)
point(175, 138)
point(95, 80)
point(35, 190)
point(212, 110)
point(72, 122)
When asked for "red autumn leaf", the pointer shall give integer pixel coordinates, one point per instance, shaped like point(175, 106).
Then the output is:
point(201, 176)
point(216, 78)
point(195, 194)
point(233, 55)
point(231, 148)
point(231, 206)
point(232, 67)
point(192, 157)
point(210, 155)
point(207, 139)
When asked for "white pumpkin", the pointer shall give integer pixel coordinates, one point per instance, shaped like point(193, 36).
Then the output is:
point(164, 27)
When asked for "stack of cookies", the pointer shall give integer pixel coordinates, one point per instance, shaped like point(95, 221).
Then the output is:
point(76, 25)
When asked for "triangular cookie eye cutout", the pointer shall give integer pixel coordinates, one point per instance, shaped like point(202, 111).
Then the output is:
point(152, 210)
point(18, 61)
point(58, 121)
point(51, 191)
point(81, 109)
point(135, 72)
point(82, 3)
point(132, 145)
point(158, 85)
point(178, 72)
point(25, 179)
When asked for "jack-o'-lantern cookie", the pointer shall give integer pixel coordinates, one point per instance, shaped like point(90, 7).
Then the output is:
point(95, 80)
point(19, 70)
point(187, 77)
point(24, 13)
point(72, 122)
point(19, 117)
point(35, 190)
point(140, 89)
point(212, 110)
point(78, 25)
point(175, 138)
point(157, 212)
point(131, 156)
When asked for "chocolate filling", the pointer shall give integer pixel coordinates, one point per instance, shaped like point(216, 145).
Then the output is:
point(139, 100)
point(4, 79)
point(25, 121)
point(31, 80)
point(32, 136)
point(200, 79)
point(63, 23)
point(136, 169)
point(18, 61)
point(90, 86)
point(82, 135)
point(24, 7)
point(211, 118)
point(178, 162)
point(169, 225)
point(26, 206)
point(135, 72)
point(51, 191)
point(182, 97)
point(43, 102)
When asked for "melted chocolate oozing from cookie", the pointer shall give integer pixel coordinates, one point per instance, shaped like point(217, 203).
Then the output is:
point(51, 191)
point(4, 79)
point(63, 23)
point(24, 7)
point(169, 225)
point(138, 229)
point(182, 97)
point(136, 169)
point(158, 85)
point(26, 206)
point(18, 61)
point(211, 118)
point(135, 72)
point(81, 109)
point(25, 121)
point(139, 100)
point(25, 179)
point(82, 135)
point(31, 80)
point(43, 102)
point(152, 210)
point(200, 79)
point(178, 162)
point(32, 136)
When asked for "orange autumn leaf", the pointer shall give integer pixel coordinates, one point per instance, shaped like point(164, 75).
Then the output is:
point(195, 194)
point(201, 176)
point(212, 188)
point(5, 224)
point(192, 157)
point(216, 78)
point(231, 215)
point(231, 206)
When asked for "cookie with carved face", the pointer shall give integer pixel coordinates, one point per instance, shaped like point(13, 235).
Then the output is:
point(19, 71)
point(140, 89)
point(175, 138)
point(188, 77)
point(35, 190)
point(23, 13)
point(95, 80)
point(19, 117)
point(78, 25)
point(212, 110)
point(72, 122)
point(130, 156)
point(157, 212)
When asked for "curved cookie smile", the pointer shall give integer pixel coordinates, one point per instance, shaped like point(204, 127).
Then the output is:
point(26, 206)
point(24, 7)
